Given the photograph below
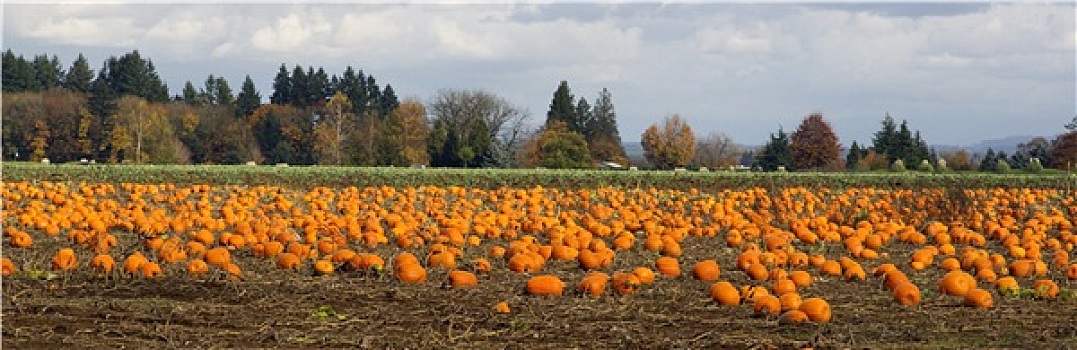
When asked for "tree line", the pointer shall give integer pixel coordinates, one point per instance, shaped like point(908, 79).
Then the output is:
point(123, 113)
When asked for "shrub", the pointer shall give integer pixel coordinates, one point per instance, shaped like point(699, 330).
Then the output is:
point(925, 166)
point(898, 166)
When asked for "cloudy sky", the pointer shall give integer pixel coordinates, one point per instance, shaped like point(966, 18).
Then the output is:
point(959, 72)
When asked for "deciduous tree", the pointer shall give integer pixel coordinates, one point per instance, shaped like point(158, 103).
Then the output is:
point(673, 144)
point(814, 144)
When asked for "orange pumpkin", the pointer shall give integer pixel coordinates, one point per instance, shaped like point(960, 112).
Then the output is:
point(1045, 289)
point(462, 279)
point(801, 278)
point(502, 308)
point(7, 267)
point(790, 301)
point(594, 284)
point(724, 293)
point(907, 294)
point(767, 304)
point(645, 274)
point(979, 298)
point(64, 260)
point(1071, 271)
point(783, 286)
point(219, 257)
point(150, 270)
point(323, 267)
point(197, 267)
point(706, 270)
point(793, 317)
point(410, 273)
point(288, 261)
point(957, 283)
point(817, 309)
point(133, 264)
point(668, 266)
point(545, 285)
point(625, 283)
point(1007, 283)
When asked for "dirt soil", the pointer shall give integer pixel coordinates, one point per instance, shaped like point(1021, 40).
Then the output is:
point(277, 309)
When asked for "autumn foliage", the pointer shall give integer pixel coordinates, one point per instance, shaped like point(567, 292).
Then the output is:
point(671, 145)
point(814, 144)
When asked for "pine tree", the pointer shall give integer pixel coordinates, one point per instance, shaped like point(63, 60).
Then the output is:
point(886, 140)
point(249, 99)
point(282, 87)
point(48, 72)
point(388, 101)
point(776, 153)
point(989, 160)
point(853, 156)
point(299, 96)
point(190, 95)
point(605, 144)
point(79, 76)
point(563, 107)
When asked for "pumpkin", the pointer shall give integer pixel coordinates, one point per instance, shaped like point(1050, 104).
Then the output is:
point(706, 270)
point(625, 283)
point(64, 260)
point(545, 285)
point(801, 278)
point(1045, 289)
point(645, 274)
point(907, 294)
point(817, 309)
point(854, 272)
point(197, 267)
point(21, 240)
point(462, 279)
point(895, 277)
point(443, 260)
point(1022, 268)
point(783, 286)
point(594, 284)
point(767, 304)
point(323, 267)
point(1071, 271)
point(219, 257)
point(288, 261)
point(724, 293)
point(793, 317)
point(233, 270)
point(132, 265)
point(950, 264)
point(979, 298)
point(758, 272)
point(502, 308)
point(750, 292)
point(882, 270)
point(668, 266)
point(412, 273)
point(1007, 283)
point(831, 268)
point(8, 268)
point(481, 265)
point(405, 258)
point(150, 270)
point(957, 283)
point(790, 301)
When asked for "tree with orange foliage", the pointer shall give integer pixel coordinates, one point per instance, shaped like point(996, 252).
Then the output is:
point(814, 144)
point(671, 145)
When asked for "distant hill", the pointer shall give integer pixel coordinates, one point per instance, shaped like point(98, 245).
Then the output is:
point(1006, 144)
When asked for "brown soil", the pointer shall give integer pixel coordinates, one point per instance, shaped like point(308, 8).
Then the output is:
point(349, 310)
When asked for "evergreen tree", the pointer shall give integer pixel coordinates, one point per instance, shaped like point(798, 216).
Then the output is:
point(318, 88)
point(989, 160)
point(373, 95)
point(249, 99)
point(353, 85)
point(102, 101)
point(48, 71)
point(886, 140)
point(223, 94)
point(190, 95)
point(606, 143)
point(563, 108)
point(584, 119)
point(19, 74)
point(853, 156)
point(282, 87)
point(300, 84)
point(79, 76)
point(388, 101)
point(776, 153)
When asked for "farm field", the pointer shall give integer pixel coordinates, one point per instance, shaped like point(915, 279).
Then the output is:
point(314, 258)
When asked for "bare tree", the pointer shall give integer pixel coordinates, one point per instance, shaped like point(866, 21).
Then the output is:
point(459, 110)
point(717, 150)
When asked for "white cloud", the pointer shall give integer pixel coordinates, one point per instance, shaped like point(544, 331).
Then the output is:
point(291, 33)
